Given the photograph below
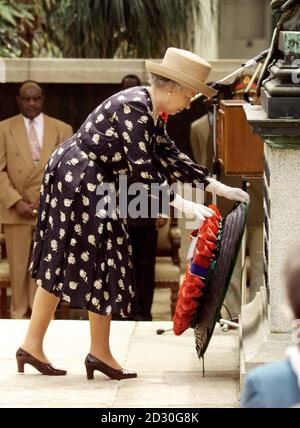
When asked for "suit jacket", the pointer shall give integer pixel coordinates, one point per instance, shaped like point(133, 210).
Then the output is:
point(20, 178)
point(201, 142)
point(271, 386)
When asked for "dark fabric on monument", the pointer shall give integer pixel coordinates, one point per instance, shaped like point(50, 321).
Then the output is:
point(144, 242)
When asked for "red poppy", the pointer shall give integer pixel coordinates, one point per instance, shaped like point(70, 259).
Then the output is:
point(201, 261)
point(180, 325)
point(164, 116)
point(207, 235)
point(191, 292)
point(191, 289)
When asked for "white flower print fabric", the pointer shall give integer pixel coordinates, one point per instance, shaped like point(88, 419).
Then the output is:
point(82, 257)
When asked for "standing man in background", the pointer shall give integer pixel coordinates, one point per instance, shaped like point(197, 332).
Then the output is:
point(26, 142)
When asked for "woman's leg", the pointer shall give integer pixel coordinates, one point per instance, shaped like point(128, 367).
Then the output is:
point(99, 329)
point(44, 306)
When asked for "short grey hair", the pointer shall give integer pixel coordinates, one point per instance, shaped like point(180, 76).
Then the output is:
point(160, 81)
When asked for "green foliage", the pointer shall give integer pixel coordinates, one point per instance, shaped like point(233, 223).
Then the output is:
point(14, 16)
point(96, 28)
point(121, 28)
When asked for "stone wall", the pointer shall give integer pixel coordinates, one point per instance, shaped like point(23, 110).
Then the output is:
point(104, 71)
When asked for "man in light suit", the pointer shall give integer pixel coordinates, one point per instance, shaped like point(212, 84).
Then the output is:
point(26, 142)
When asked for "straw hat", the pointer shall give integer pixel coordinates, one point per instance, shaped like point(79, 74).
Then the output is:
point(184, 67)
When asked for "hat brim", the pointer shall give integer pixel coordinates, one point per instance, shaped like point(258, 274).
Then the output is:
point(218, 278)
point(180, 77)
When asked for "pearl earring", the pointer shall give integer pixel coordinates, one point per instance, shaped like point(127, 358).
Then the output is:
point(170, 93)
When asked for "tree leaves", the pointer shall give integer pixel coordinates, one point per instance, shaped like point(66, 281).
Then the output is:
point(97, 28)
point(13, 16)
point(121, 28)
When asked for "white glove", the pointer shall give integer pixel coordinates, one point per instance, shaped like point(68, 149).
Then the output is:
point(190, 209)
point(232, 193)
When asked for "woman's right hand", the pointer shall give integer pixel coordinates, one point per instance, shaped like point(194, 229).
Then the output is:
point(191, 209)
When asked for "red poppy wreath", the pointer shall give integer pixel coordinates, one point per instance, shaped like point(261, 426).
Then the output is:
point(193, 286)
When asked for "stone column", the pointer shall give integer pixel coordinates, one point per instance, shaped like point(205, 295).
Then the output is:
point(282, 224)
point(266, 323)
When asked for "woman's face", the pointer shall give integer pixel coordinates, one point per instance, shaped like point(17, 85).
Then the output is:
point(179, 99)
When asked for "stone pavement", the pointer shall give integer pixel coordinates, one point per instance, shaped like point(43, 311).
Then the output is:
point(169, 372)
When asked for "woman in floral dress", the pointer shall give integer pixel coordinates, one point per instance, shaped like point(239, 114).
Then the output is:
point(82, 252)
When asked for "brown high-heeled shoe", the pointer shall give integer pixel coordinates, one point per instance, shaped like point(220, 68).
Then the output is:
point(24, 357)
point(92, 363)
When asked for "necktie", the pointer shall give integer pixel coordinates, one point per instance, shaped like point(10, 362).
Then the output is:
point(34, 142)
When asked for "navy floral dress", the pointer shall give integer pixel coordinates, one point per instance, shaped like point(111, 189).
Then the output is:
point(80, 256)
